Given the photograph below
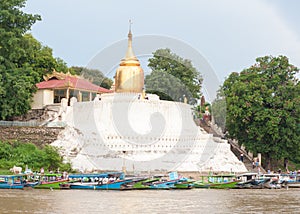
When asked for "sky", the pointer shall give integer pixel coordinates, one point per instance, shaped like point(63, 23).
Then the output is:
point(228, 34)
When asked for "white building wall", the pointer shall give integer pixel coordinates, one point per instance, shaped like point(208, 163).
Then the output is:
point(37, 100)
point(42, 98)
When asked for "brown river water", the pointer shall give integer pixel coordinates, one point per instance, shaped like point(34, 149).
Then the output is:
point(150, 201)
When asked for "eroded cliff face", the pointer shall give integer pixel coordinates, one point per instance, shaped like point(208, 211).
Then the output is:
point(39, 136)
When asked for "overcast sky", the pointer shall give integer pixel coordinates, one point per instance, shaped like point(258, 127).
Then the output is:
point(229, 34)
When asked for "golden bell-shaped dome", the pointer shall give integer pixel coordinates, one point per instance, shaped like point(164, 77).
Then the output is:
point(129, 76)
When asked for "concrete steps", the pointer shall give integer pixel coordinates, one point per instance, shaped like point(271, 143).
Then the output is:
point(235, 148)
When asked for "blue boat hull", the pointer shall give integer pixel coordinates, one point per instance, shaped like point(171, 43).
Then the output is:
point(163, 185)
point(11, 186)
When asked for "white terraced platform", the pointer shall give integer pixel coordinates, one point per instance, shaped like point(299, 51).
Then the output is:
point(121, 130)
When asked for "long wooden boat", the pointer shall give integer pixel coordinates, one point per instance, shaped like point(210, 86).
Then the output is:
point(291, 180)
point(115, 185)
point(158, 183)
point(50, 181)
point(184, 183)
point(252, 181)
point(224, 185)
point(30, 179)
point(152, 183)
point(217, 182)
point(201, 184)
point(163, 185)
point(11, 182)
point(103, 181)
point(139, 184)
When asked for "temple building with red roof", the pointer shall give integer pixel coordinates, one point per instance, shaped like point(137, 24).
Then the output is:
point(57, 86)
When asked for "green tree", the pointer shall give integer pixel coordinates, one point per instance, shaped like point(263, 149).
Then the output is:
point(263, 108)
point(23, 60)
point(39, 58)
point(14, 23)
point(173, 77)
point(52, 158)
point(219, 110)
point(17, 76)
point(61, 65)
point(94, 75)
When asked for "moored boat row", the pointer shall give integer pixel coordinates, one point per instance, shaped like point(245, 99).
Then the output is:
point(117, 181)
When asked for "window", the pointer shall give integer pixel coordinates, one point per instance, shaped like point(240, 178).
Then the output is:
point(58, 95)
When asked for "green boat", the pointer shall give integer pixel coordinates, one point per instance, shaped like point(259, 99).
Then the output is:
point(217, 182)
point(145, 184)
point(140, 184)
point(200, 184)
point(224, 185)
point(50, 181)
point(184, 185)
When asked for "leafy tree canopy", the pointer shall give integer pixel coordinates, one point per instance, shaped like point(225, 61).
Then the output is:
point(173, 77)
point(23, 60)
point(94, 75)
point(263, 108)
point(219, 110)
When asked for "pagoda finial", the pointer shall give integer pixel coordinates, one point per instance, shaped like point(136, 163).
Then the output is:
point(129, 53)
point(130, 23)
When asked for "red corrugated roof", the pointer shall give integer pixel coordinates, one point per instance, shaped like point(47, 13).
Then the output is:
point(72, 82)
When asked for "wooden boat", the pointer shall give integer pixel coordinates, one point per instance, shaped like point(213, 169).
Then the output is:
point(11, 182)
point(115, 185)
point(163, 185)
point(152, 183)
point(290, 180)
point(50, 181)
point(294, 184)
point(139, 184)
point(166, 182)
point(201, 184)
point(103, 181)
point(30, 180)
point(224, 185)
point(253, 181)
point(30, 183)
point(184, 183)
point(217, 182)
point(158, 183)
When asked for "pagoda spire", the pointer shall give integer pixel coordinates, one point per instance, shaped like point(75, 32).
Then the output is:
point(129, 53)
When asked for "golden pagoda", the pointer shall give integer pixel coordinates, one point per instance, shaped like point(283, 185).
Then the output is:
point(129, 76)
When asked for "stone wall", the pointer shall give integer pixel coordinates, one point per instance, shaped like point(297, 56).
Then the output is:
point(50, 112)
point(40, 136)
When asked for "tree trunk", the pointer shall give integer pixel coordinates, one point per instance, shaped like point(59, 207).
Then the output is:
point(268, 161)
point(285, 164)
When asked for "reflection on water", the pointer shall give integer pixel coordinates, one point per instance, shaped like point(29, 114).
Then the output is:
point(164, 201)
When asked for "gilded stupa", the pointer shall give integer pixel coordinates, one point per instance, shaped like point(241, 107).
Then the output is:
point(129, 77)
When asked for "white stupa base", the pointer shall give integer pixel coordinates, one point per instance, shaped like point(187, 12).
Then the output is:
point(122, 131)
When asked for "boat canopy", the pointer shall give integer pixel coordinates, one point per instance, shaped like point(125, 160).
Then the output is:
point(97, 175)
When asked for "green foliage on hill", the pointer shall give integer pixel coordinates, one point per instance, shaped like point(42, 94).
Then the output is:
point(173, 77)
point(22, 154)
point(263, 108)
